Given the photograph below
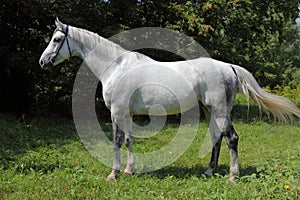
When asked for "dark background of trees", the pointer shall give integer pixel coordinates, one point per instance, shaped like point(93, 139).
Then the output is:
point(261, 36)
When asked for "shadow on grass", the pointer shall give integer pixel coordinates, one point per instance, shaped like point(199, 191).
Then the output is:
point(197, 171)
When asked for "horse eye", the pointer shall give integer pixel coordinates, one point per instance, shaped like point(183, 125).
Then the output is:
point(56, 40)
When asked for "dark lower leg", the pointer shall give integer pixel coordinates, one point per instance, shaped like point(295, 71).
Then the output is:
point(232, 142)
point(214, 157)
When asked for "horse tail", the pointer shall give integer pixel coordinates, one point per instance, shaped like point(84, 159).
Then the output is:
point(282, 108)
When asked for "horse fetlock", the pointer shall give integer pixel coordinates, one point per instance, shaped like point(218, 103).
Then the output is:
point(234, 172)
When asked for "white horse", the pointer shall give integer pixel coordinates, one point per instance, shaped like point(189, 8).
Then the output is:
point(211, 82)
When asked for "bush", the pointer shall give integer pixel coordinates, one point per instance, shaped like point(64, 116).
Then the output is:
point(292, 92)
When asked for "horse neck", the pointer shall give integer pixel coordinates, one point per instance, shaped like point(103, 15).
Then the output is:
point(97, 52)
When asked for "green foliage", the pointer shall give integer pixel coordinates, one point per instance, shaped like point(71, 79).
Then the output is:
point(256, 35)
point(292, 92)
point(27, 27)
point(43, 158)
point(260, 36)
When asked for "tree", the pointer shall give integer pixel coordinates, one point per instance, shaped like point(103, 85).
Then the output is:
point(259, 36)
point(256, 35)
point(27, 27)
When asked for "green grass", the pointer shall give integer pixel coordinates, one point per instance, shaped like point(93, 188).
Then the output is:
point(44, 159)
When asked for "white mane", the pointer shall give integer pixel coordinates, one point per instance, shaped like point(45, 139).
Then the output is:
point(92, 40)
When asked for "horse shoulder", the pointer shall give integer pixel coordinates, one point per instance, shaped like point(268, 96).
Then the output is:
point(114, 87)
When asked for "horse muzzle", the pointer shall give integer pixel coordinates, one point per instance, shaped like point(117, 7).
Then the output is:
point(47, 62)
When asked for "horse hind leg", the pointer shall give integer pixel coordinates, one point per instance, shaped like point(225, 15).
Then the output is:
point(216, 138)
point(222, 127)
point(232, 139)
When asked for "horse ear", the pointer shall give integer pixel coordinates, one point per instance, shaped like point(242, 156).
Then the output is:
point(56, 20)
point(59, 24)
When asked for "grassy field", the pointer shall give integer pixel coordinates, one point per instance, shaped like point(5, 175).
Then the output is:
point(45, 159)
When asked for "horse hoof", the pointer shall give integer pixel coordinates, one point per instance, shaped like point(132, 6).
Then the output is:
point(208, 173)
point(127, 173)
point(110, 179)
point(232, 181)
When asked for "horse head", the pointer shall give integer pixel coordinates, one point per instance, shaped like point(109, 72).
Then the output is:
point(59, 48)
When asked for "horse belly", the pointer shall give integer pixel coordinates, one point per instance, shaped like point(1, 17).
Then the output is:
point(161, 100)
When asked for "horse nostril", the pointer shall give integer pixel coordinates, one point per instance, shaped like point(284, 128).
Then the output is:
point(52, 60)
point(41, 63)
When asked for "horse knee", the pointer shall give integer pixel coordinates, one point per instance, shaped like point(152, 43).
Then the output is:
point(118, 137)
point(118, 141)
point(128, 140)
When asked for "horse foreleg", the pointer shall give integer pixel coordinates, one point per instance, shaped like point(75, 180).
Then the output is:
point(128, 143)
point(118, 136)
point(122, 132)
point(130, 159)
